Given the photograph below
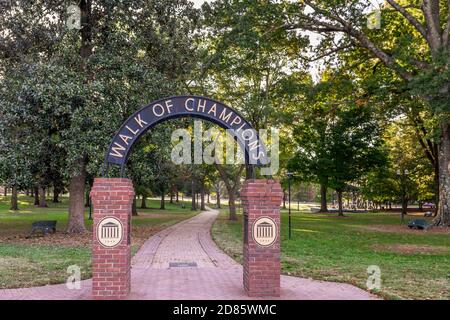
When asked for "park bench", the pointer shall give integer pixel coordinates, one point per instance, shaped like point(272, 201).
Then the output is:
point(421, 224)
point(45, 226)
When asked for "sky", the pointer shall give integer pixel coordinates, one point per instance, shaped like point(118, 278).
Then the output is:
point(198, 3)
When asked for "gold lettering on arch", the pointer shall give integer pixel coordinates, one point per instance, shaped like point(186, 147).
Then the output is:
point(117, 150)
point(224, 116)
point(213, 109)
point(139, 120)
point(125, 138)
point(186, 104)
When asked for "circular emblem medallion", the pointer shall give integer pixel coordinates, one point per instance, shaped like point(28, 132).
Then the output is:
point(264, 231)
point(109, 232)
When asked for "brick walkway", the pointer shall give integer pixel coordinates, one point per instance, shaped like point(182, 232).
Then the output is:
point(183, 262)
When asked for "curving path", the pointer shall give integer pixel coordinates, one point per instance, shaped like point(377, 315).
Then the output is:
point(183, 262)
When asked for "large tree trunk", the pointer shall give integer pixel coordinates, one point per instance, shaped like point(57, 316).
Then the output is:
point(77, 187)
point(323, 198)
point(143, 202)
point(56, 192)
point(436, 187)
point(177, 196)
point(163, 202)
point(55, 196)
point(5, 192)
point(134, 211)
point(404, 206)
point(202, 198)
point(284, 199)
point(443, 214)
point(339, 195)
point(230, 188)
point(36, 195)
point(42, 199)
point(218, 199)
point(77, 182)
point(194, 206)
point(14, 202)
point(232, 206)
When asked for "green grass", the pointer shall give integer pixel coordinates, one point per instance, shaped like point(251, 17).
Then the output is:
point(44, 260)
point(33, 265)
point(340, 249)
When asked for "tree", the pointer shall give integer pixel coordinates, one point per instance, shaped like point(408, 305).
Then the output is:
point(405, 155)
point(94, 76)
point(380, 186)
point(337, 142)
point(231, 177)
point(419, 55)
point(218, 187)
point(241, 66)
point(412, 49)
point(16, 139)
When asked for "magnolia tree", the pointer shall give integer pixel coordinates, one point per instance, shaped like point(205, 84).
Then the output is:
point(84, 69)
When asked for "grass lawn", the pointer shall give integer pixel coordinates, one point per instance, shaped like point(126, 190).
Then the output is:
point(414, 264)
point(43, 260)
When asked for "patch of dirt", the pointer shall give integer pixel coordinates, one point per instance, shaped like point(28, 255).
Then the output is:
point(12, 262)
point(59, 238)
point(138, 236)
point(411, 248)
point(405, 229)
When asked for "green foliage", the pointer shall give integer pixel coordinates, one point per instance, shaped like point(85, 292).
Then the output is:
point(434, 84)
point(141, 51)
point(337, 140)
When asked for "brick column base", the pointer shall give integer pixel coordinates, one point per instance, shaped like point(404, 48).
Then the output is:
point(261, 200)
point(112, 199)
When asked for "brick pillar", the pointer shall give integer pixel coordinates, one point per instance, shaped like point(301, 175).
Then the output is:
point(112, 199)
point(261, 200)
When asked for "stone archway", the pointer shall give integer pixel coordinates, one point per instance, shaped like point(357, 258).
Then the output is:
point(112, 200)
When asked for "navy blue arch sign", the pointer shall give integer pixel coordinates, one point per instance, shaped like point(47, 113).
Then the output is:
point(186, 106)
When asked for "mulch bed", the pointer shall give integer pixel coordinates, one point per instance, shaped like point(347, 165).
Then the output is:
point(139, 234)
